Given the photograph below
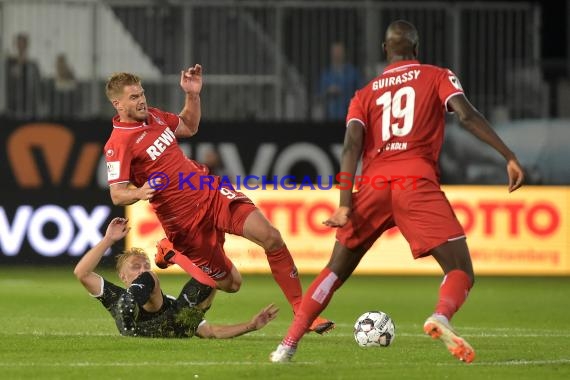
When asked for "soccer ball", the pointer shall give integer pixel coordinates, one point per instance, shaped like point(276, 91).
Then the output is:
point(374, 329)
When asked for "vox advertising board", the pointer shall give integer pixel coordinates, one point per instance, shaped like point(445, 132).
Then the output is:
point(51, 209)
point(523, 233)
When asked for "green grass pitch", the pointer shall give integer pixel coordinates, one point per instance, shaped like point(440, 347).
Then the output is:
point(520, 328)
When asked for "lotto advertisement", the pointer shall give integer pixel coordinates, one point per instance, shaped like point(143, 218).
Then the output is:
point(523, 233)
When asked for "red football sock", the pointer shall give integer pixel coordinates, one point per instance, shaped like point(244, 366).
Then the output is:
point(314, 301)
point(453, 292)
point(189, 267)
point(286, 275)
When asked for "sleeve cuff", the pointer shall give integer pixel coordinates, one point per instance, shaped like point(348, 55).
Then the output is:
point(355, 119)
point(100, 290)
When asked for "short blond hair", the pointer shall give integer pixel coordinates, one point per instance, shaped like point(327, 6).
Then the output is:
point(117, 82)
point(126, 254)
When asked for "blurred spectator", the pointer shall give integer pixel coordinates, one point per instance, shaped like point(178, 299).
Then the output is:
point(66, 101)
point(338, 84)
point(23, 81)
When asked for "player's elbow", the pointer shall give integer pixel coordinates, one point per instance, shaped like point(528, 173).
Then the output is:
point(206, 331)
point(216, 332)
point(121, 195)
point(187, 130)
point(80, 273)
point(115, 196)
point(117, 200)
point(191, 131)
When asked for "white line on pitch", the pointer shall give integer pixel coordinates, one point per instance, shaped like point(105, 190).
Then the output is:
point(250, 363)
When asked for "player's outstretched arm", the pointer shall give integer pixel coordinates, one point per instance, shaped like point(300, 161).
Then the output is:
point(84, 270)
point(123, 195)
point(191, 84)
point(351, 153)
point(476, 124)
point(258, 321)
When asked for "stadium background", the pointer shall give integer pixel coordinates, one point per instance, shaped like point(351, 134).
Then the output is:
point(262, 62)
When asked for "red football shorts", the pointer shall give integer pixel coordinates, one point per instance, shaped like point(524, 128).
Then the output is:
point(421, 211)
point(203, 240)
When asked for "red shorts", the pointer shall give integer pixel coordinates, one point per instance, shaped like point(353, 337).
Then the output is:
point(423, 215)
point(202, 239)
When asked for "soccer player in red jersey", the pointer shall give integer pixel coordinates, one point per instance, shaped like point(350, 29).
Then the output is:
point(396, 124)
point(144, 162)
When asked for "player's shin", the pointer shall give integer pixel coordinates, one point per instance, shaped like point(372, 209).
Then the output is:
point(314, 302)
point(285, 274)
point(453, 292)
point(141, 288)
point(194, 293)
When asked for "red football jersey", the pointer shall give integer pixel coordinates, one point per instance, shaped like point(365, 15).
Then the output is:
point(137, 150)
point(403, 113)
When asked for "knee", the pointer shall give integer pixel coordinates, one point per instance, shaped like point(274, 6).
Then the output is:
point(232, 286)
point(273, 240)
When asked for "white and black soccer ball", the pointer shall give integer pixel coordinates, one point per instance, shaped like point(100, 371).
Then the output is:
point(374, 329)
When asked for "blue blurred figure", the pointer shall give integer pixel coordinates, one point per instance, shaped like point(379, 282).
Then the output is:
point(338, 84)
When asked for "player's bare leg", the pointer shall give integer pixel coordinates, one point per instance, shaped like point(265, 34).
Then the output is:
point(258, 229)
point(231, 283)
point(454, 255)
point(454, 259)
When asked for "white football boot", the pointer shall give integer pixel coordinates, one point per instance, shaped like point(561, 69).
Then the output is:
point(438, 327)
point(282, 354)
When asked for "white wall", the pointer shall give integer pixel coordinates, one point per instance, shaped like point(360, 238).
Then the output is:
point(68, 28)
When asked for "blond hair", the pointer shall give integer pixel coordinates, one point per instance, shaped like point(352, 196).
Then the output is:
point(117, 82)
point(125, 255)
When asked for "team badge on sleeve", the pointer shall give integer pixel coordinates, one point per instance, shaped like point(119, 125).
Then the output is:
point(454, 81)
point(113, 170)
